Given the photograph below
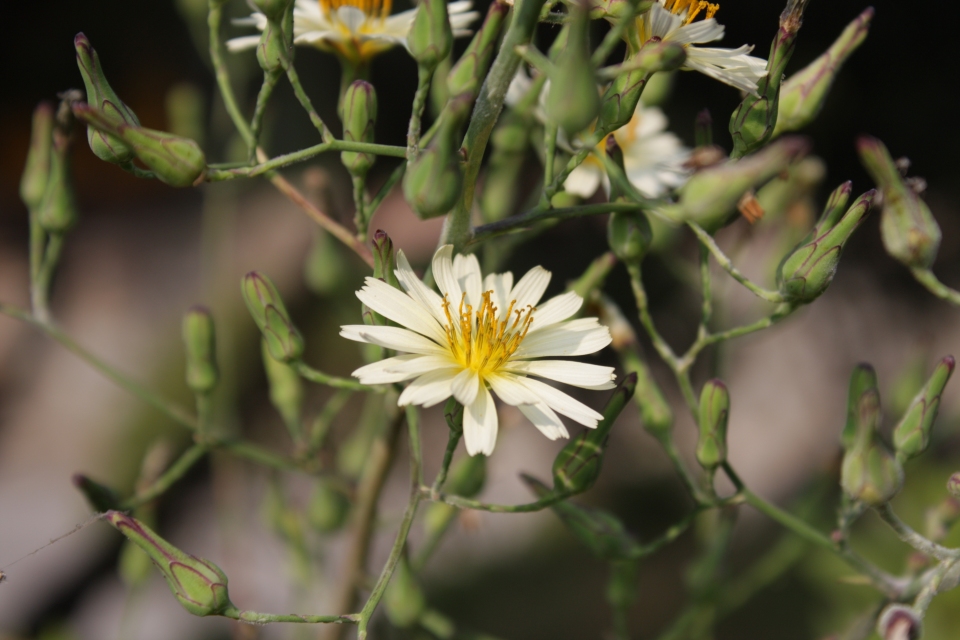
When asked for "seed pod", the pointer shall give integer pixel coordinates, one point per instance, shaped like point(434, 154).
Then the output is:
point(36, 173)
point(359, 110)
point(199, 585)
point(714, 413)
point(201, 349)
point(911, 436)
point(99, 496)
point(899, 622)
point(470, 70)
point(807, 272)
point(266, 307)
point(910, 233)
point(573, 100)
point(328, 508)
point(430, 37)
point(404, 600)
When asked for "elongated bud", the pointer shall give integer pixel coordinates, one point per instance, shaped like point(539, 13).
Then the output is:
point(616, 8)
point(470, 70)
point(802, 95)
point(199, 585)
point(573, 99)
point(710, 197)
point(201, 349)
point(283, 340)
point(384, 258)
point(910, 233)
point(753, 122)
point(714, 413)
point(359, 119)
point(863, 381)
point(619, 102)
point(272, 47)
point(328, 508)
point(433, 182)
point(599, 531)
point(273, 9)
point(807, 272)
point(577, 466)
point(404, 600)
point(508, 150)
point(629, 235)
point(176, 161)
point(57, 211)
point(911, 436)
point(286, 387)
point(899, 622)
point(36, 173)
point(99, 496)
point(430, 37)
point(101, 95)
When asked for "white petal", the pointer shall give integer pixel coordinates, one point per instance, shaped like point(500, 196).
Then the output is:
point(480, 424)
point(444, 276)
point(241, 43)
point(392, 338)
point(697, 32)
point(387, 371)
point(556, 309)
point(429, 389)
point(661, 21)
point(578, 374)
point(584, 180)
point(545, 419)
point(562, 403)
point(501, 284)
point(417, 290)
point(466, 386)
point(351, 17)
point(510, 390)
point(466, 269)
point(401, 308)
point(562, 340)
point(530, 288)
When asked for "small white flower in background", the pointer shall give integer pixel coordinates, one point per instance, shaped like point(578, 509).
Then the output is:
point(356, 30)
point(483, 334)
point(673, 21)
point(653, 158)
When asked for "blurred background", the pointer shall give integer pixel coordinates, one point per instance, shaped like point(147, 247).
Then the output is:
point(143, 253)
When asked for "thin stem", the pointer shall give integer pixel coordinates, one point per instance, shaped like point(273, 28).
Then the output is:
point(934, 286)
point(255, 453)
point(321, 425)
point(670, 534)
point(303, 98)
point(686, 477)
point(466, 503)
point(270, 79)
point(424, 76)
point(214, 18)
point(640, 295)
point(453, 439)
point(387, 187)
point(550, 140)
point(40, 287)
point(167, 479)
point(313, 375)
point(525, 220)
point(706, 240)
point(361, 217)
point(255, 617)
point(219, 175)
point(613, 37)
point(914, 539)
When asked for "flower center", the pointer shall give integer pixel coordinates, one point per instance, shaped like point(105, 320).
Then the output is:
point(370, 8)
point(479, 340)
point(692, 8)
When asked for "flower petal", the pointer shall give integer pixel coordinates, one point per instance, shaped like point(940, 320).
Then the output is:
point(429, 389)
point(480, 424)
point(565, 339)
point(395, 305)
point(577, 374)
point(510, 390)
point(466, 269)
point(443, 274)
point(417, 290)
point(466, 386)
point(562, 403)
point(392, 338)
point(556, 309)
point(584, 180)
point(386, 371)
point(545, 419)
point(501, 284)
point(530, 288)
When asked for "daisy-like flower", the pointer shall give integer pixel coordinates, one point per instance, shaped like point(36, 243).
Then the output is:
point(481, 335)
point(674, 21)
point(355, 30)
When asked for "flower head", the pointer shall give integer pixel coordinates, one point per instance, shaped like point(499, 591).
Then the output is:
point(355, 30)
point(675, 21)
point(481, 334)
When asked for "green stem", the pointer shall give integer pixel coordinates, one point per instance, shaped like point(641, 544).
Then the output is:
point(40, 287)
point(270, 79)
point(706, 290)
point(550, 139)
point(321, 425)
point(613, 37)
point(166, 480)
point(218, 175)
point(214, 18)
point(313, 375)
point(523, 221)
point(453, 439)
point(387, 187)
point(424, 77)
point(466, 503)
point(707, 241)
point(255, 617)
point(914, 539)
point(256, 454)
point(304, 99)
point(38, 241)
point(937, 288)
point(646, 320)
point(362, 217)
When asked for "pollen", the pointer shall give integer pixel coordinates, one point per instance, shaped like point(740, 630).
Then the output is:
point(370, 8)
point(692, 8)
point(479, 339)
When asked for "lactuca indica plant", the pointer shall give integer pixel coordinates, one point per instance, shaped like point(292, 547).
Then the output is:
point(563, 84)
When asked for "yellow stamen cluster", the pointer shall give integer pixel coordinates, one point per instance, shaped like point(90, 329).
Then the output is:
point(371, 8)
point(479, 340)
point(692, 7)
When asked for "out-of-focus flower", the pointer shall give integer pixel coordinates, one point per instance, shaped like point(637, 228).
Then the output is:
point(483, 334)
point(355, 30)
point(675, 21)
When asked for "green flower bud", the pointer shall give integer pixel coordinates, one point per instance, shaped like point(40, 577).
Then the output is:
point(863, 383)
point(176, 161)
point(710, 197)
point(467, 75)
point(577, 466)
point(807, 272)
point(617, 8)
point(802, 95)
point(266, 306)
point(199, 585)
point(273, 9)
point(780, 196)
point(359, 118)
point(430, 37)
point(508, 151)
point(57, 211)
point(272, 48)
point(328, 508)
point(899, 622)
point(910, 233)
point(629, 235)
point(383, 258)
point(714, 412)
point(754, 120)
point(599, 531)
point(36, 173)
point(953, 485)
point(101, 95)
point(573, 99)
point(911, 436)
point(286, 388)
point(404, 600)
point(619, 102)
point(133, 565)
point(99, 496)
point(201, 348)
point(656, 416)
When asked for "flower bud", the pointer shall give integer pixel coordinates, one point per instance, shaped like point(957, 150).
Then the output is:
point(863, 381)
point(404, 600)
point(508, 152)
point(383, 258)
point(869, 472)
point(36, 173)
point(911, 436)
point(286, 388)
point(433, 181)
point(899, 622)
point(101, 95)
point(617, 8)
point(710, 197)
point(629, 235)
point(176, 161)
point(577, 466)
point(273, 9)
point(807, 272)
point(359, 118)
point(470, 70)
point(99, 496)
point(599, 531)
point(910, 233)
point(953, 485)
point(802, 95)
point(573, 99)
point(619, 102)
point(328, 508)
point(199, 585)
point(272, 48)
point(283, 340)
point(430, 37)
point(57, 211)
point(714, 412)
point(201, 348)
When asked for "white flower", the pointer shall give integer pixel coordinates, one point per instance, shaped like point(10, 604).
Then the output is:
point(653, 158)
point(673, 21)
point(356, 30)
point(483, 334)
